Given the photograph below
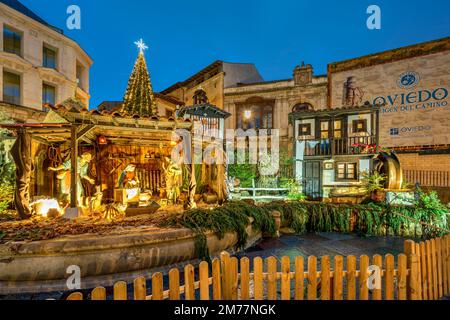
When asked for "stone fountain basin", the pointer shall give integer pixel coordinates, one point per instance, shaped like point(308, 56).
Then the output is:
point(27, 267)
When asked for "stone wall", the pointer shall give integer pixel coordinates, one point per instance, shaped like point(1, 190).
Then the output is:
point(415, 161)
point(413, 88)
point(286, 95)
point(210, 79)
point(41, 266)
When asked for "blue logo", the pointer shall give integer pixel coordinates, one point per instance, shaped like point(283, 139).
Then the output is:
point(395, 132)
point(408, 79)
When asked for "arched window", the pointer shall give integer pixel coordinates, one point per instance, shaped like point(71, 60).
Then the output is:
point(302, 107)
point(255, 113)
point(200, 97)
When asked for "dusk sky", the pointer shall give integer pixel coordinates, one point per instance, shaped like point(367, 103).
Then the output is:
point(186, 36)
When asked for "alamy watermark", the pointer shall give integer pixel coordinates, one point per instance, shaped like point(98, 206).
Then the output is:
point(74, 280)
point(240, 147)
point(374, 280)
point(374, 20)
point(73, 21)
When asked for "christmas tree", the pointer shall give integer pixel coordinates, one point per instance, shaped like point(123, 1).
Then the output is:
point(139, 97)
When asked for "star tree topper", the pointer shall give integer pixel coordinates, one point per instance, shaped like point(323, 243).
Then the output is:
point(141, 45)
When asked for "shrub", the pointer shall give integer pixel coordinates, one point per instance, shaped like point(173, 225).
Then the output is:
point(246, 173)
point(7, 180)
point(6, 197)
point(368, 219)
point(372, 182)
point(232, 217)
point(295, 190)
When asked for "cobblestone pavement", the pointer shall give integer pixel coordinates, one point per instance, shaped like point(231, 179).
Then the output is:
point(325, 244)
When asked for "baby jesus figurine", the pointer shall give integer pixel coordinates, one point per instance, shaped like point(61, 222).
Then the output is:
point(130, 183)
point(128, 178)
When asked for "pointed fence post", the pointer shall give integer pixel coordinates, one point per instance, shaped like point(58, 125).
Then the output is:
point(414, 278)
point(227, 277)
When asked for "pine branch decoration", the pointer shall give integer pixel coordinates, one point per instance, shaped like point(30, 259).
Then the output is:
point(139, 98)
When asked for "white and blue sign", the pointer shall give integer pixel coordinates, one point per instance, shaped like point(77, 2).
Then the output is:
point(408, 80)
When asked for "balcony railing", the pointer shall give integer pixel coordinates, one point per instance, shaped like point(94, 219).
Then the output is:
point(341, 146)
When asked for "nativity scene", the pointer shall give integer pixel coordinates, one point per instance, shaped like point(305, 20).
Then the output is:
point(129, 157)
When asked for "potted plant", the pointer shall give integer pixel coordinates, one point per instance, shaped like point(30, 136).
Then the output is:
point(373, 184)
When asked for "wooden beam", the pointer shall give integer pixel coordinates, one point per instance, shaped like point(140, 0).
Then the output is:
point(74, 167)
point(49, 132)
point(85, 130)
point(41, 140)
point(87, 140)
point(378, 126)
point(143, 142)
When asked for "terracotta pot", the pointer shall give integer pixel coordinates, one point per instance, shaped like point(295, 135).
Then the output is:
point(378, 195)
point(277, 217)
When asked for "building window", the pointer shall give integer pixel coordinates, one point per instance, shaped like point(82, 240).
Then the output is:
point(255, 117)
point(80, 75)
point(360, 126)
point(338, 129)
point(12, 41)
point(200, 97)
point(48, 94)
point(324, 130)
point(11, 88)
point(304, 129)
point(346, 171)
point(49, 58)
point(302, 107)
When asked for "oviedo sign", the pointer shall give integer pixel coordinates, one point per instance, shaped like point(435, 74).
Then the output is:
point(413, 94)
point(414, 100)
point(417, 128)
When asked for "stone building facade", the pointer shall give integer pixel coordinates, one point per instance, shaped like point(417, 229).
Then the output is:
point(266, 105)
point(411, 84)
point(239, 88)
point(214, 80)
point(38, 63)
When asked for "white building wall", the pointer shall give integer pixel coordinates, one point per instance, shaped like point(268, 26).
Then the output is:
point(29, 65)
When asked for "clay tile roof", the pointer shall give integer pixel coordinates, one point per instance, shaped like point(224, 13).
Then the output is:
point(169, 99)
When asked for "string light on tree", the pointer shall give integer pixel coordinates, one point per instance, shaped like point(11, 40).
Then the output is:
point(139, 98)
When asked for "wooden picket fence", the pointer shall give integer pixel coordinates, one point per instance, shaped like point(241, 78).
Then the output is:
point(422, 272)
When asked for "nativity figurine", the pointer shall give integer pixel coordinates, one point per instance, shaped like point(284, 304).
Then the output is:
point(174, 180)
point(64, 175)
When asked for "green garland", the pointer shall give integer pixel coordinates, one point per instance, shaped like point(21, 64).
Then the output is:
point(302, 217)
point(233, 217)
